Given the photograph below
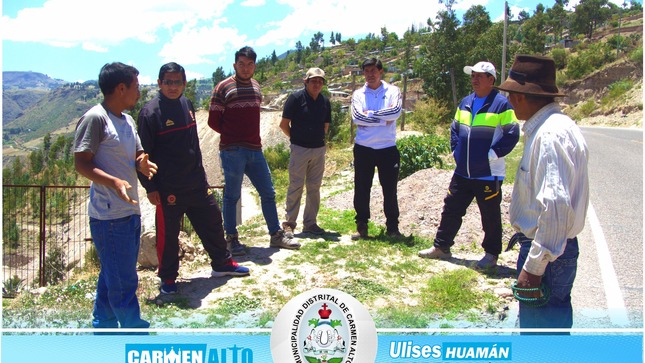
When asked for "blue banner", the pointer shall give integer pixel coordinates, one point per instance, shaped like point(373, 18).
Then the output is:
point(250, 348)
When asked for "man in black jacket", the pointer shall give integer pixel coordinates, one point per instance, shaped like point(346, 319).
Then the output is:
point(168, 132)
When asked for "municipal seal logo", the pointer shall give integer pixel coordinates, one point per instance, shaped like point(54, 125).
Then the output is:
point(324, 326)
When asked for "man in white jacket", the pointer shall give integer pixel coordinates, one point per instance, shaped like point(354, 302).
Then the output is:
point(375, 108)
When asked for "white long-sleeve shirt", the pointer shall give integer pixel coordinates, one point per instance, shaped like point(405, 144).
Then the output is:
point(371, 110)
point(551, 192)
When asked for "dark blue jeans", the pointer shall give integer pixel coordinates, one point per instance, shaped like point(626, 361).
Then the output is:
point(117, 244)
point(558, 276)
point(236, 162)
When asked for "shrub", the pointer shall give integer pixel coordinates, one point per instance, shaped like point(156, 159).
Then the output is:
point(421, 152)
point(12, 286)
point(277, 157)
point(619, 88)
point(430, 116)
point(560, 57)
point(10, 235)
point(636, 56)
point(92, 258)
point(339, 128)
point(595, 56)
point(587, 108)
point(55, 266)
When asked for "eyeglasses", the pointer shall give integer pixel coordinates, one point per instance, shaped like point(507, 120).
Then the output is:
point(170, 82)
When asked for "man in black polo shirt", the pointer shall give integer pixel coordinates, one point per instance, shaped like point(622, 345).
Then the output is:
point(305, 120)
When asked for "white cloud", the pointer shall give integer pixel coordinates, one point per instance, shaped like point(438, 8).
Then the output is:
point(94, 48)
point(194, 44)
point(146, 80)
point(77, 22)
point(350, 18)
point(253, 3)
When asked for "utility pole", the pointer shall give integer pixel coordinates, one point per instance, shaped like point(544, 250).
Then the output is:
point(454, 87)
point(405, 88)
point(503, 75)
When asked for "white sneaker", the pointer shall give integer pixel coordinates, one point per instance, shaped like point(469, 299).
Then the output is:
point(435, 253)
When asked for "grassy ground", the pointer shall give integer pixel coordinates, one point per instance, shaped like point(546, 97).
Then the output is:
point(385, 274)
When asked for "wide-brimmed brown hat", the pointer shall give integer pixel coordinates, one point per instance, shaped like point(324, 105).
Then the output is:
point(532, 75)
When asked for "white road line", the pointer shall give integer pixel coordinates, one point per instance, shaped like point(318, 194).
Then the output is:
point(615, 302)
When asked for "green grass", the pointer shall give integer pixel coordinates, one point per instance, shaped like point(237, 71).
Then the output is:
point(513, 162)
point(384, 273)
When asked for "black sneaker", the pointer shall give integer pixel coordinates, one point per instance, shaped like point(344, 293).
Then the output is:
point(361, 231)
point(168, 289)
point(395, 233)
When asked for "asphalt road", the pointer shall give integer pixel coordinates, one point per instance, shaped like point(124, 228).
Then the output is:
point(608, 291)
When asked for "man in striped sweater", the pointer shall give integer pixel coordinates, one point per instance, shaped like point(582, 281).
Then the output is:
point(235, 114)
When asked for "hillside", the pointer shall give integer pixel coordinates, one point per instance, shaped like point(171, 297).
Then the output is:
point(27, 80)
point(53, 111)
point(57, 111)
point(15, 102)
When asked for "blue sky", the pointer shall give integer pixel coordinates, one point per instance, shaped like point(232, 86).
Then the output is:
point(72, 39)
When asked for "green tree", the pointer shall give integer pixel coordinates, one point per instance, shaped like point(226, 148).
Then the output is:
point(142, 100)
point(476, 24)
point(190, 91)
point(588, 15)
point(534, 35)
point(434, 67)
point(36, 162)
point(218, 76)
point(557, 18)
point(299, 51)
point(317, 42)
point(523, 16)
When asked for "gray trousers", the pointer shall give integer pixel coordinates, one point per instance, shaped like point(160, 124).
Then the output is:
point(306, 168)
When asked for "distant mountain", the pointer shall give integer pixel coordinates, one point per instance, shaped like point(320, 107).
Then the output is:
point(55, 110)
point(26, 80)
point(21, 90)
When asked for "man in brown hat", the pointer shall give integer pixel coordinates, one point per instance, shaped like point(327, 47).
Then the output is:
point(305, 120)
point(550, 197)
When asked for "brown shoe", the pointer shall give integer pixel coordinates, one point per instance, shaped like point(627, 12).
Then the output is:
point(279, 240)
point(361, 231)
point(288, 229)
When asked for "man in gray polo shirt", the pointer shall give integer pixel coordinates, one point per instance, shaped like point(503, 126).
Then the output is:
point(107, 151)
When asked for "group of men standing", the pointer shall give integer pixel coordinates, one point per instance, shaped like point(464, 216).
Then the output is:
point(549, 199)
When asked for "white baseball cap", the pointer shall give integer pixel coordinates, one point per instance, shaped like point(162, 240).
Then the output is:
point(481, 67)
point(315, 72)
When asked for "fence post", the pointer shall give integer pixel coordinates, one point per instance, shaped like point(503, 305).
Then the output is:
point(42, 237)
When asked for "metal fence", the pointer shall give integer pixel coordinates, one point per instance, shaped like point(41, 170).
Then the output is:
point(46, 236)
point(45, 233)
